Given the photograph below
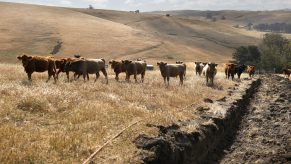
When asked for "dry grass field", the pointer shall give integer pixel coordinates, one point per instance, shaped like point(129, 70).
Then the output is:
point(63, 123)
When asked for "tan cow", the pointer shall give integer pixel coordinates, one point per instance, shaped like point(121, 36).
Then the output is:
point(171, 70)
point(38, 64)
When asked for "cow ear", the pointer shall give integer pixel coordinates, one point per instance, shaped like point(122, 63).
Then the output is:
point(165, 63)
point(19, 57)
point(158, 63)
point(122, 61)
point(130, 61)
point(216, 65)
point(29, 57)
point(110, 62)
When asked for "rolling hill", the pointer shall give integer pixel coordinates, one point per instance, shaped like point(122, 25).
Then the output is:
point(185, 35)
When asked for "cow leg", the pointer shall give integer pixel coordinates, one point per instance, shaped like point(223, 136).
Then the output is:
point(105, 74)
point(55, 77)
point(68, 77)
point(59, 71)
point(116, 76)
point(127, 77)
point(49, 76)
point(29, 76)
point(76, 77)
point(88, 76)
point(206, 79)
point(84, 76)
point(97, 76)
point(181, 79)
point(142, 77)
point(168, 80)
point(134, 75)
point(165, 80)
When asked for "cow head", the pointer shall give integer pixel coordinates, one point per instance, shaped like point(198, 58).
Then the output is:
point(212, 65)
point(197, 63)
point(126, 62)
point(251, 67)
point(179, 62)
point(161, 64)
point(25, 59)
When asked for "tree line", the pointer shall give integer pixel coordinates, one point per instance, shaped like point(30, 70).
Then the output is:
point(275, 27)
point(272, 54)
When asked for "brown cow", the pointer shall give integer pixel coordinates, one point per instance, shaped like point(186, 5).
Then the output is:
point(38, 64)
point(210, 71)
point(251, 70)
point(287, 72)
point(118, 67)
point(230, 70)
point(171, 70)
point(134, 68)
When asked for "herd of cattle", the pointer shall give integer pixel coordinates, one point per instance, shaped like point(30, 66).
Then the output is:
point(83, 67)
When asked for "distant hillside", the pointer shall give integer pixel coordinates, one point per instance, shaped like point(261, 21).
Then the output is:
point(36, 29)
point(184, 35)
point(240, 17)
point(184, 38)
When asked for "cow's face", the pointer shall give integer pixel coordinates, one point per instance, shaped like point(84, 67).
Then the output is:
point(112, 63)
point(126, 62)
point(212, 65)
point(25, 59)
point(179, 62)
point(162, 65)
point(197, 63)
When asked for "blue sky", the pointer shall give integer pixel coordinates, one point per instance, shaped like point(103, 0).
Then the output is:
point(151, 5)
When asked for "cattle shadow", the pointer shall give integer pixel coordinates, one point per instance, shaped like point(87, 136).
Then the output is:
point(26, 83)
point(215, 86)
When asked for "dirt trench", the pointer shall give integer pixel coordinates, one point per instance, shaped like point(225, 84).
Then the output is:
point(264, 134)
point(245, 127)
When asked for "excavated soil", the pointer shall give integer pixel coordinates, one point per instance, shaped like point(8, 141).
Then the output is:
point(251, 125)
point(264, 134)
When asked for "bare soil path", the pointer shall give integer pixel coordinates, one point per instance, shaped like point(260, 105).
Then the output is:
point(264, 134)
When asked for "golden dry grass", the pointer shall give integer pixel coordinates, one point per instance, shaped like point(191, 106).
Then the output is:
point(64, 122)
